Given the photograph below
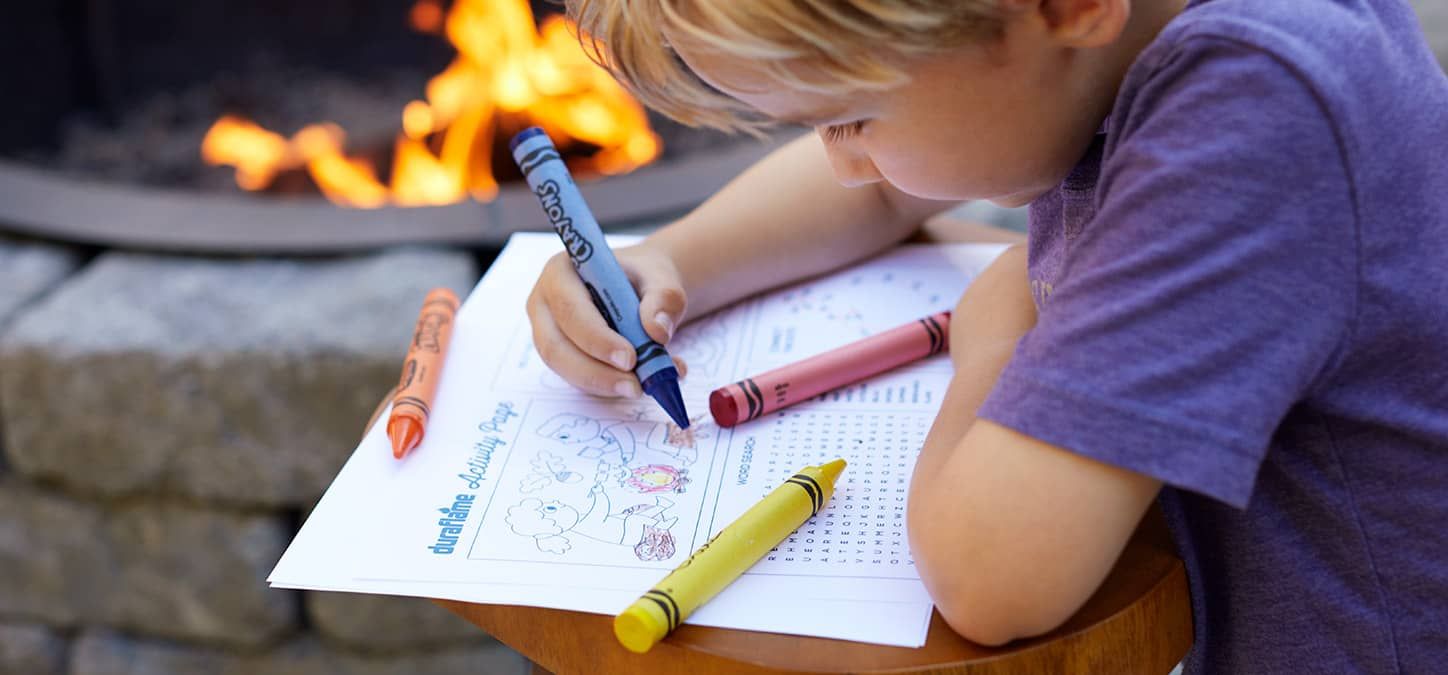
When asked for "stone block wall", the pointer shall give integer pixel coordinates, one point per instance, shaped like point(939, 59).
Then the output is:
point(165, 422)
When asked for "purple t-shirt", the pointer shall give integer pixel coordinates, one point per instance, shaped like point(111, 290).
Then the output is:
point(1243, 292)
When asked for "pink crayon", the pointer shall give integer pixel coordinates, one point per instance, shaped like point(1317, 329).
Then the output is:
point(784, 386)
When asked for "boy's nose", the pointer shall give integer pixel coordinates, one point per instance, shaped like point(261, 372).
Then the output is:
point(852, 169)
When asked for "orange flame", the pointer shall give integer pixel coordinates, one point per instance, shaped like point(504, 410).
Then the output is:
point(507, 75)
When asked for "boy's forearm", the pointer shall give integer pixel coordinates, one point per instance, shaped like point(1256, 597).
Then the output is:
point(1010, 533)
point(968, 389)
point(988, 321)
point(785, 218)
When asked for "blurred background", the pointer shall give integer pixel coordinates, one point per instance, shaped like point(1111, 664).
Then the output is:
point(217, 222)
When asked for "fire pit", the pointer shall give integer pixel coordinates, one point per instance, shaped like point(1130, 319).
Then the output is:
point(51, 205)
point(428, 172)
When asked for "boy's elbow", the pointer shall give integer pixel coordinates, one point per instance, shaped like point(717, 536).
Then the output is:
point(991, 622)
point(986, 608)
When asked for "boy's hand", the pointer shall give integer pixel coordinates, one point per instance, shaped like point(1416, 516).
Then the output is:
point(572, 337)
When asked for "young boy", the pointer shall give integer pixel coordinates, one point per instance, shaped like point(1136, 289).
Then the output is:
point(1234, 299)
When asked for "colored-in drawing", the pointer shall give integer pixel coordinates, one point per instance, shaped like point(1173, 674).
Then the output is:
point(622, 442)
point(630, 459)
point(548, 468)
point(689, 438)
point(644, 527)
point(657, 478)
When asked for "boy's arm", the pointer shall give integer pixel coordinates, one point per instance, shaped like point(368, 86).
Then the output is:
point(1011, 535)
point(783, 219)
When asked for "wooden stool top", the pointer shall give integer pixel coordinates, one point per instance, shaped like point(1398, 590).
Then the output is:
point(1139, 621)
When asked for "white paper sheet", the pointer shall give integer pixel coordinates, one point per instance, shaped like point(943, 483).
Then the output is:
point(527, 492)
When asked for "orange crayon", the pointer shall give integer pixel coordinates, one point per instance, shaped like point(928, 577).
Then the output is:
point(413, 402)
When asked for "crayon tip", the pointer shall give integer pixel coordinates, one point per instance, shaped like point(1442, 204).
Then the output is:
point(663, 386)
point(832, 470)
point(405, 434)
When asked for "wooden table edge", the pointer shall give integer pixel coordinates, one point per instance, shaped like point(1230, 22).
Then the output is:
point(1156, 627)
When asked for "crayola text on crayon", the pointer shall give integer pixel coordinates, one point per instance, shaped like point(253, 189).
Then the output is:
point(579, 250)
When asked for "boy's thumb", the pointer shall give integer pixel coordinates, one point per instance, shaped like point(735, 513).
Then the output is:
point(661, 307)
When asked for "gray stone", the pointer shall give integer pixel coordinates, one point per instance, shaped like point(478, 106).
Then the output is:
point(1433, 15)
point(106, 653)
point(155, 568)
point(383, 622)
point(197, 575)
point(240, 381)
point(28, 269)
point(57, 564)
point(27, 649)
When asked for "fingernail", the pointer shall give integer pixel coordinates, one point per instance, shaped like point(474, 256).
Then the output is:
point(626, 389)
point(620, 359)
point(667, 322)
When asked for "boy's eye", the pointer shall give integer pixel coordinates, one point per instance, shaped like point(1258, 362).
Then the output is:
point(835, 133)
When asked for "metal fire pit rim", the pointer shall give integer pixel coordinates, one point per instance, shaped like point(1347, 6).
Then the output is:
point(50, 205)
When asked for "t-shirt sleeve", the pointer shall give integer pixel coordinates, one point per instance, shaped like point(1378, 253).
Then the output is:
point(1211, 290)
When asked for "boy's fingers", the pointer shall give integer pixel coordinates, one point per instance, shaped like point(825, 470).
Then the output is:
point(583, 325)
point(682, 367)
point(577, 368)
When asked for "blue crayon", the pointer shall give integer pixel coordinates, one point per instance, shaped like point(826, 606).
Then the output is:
point(606, 281)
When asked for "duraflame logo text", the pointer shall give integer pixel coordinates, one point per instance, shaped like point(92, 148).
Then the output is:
point(578, 248)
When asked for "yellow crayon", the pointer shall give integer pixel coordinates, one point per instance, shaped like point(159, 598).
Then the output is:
point(722, 559)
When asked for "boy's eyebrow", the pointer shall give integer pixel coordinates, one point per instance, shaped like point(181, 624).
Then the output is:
point(808, 119)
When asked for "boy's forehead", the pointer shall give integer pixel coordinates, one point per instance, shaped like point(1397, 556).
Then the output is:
point(778, 100)
point(745, 81)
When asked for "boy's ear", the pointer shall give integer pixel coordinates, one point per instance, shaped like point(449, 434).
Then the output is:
point(1085, 23)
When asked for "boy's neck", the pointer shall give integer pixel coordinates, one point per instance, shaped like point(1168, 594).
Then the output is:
point(1148, 18)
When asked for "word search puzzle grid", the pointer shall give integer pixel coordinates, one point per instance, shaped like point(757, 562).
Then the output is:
point(863, 526)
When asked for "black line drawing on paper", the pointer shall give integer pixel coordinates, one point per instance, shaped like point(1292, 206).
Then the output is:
point(623, 442)
point(644, 527)
point(703, 345)
point(548, 468)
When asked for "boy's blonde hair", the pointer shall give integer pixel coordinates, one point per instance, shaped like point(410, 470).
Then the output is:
point(820, 46)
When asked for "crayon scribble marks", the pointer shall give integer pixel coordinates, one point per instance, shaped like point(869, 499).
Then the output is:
point(633, 462)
